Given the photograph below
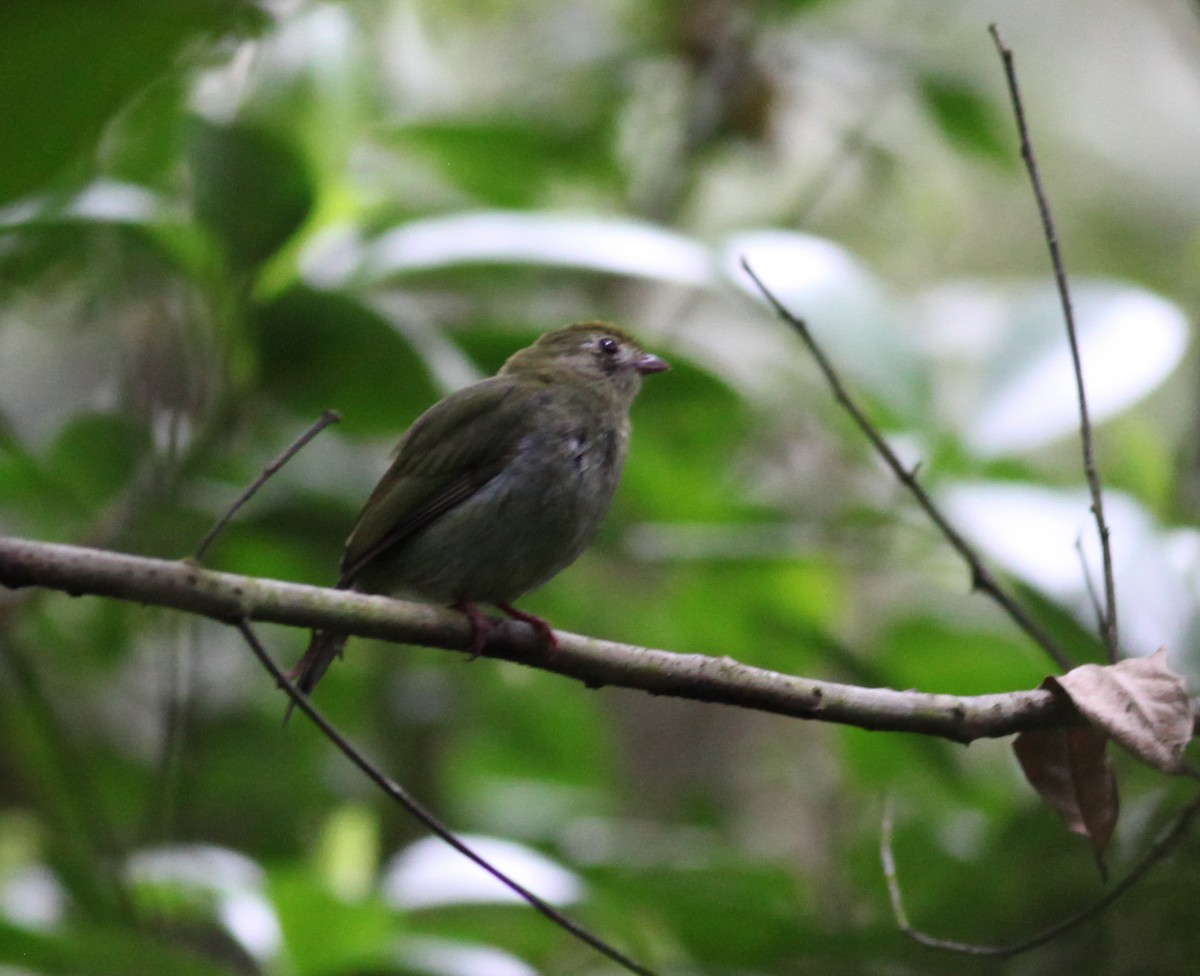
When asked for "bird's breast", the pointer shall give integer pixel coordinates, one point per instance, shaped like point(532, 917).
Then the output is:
point(531, 520)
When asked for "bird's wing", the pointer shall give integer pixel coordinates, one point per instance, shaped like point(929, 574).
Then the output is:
point(453, 450)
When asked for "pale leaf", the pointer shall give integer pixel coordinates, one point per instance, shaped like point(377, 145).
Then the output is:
point(1141, 702)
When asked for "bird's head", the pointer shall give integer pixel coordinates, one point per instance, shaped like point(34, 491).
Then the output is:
point(596, 351)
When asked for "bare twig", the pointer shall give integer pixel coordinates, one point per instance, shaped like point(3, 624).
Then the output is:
point(423, 815)
point(982, 578)
point(1090, 585)
point(1161, 848)
point(1109, 618)
point(228, 597)
point(327, 418)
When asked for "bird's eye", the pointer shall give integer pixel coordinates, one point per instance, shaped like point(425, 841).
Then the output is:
point(608, 346)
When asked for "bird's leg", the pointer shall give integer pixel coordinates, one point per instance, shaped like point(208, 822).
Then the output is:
point(481, 626)
point(537, 623)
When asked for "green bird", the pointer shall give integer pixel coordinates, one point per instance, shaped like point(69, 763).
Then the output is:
point(498, 487)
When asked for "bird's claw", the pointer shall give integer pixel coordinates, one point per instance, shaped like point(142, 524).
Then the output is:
point(481, 627)
point(537, 623)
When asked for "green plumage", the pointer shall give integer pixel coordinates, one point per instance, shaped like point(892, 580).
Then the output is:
point(499, 486)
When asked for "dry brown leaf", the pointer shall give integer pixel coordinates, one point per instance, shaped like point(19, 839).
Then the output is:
point(1141, 702)
point(1071, 770)
point(1095, 783)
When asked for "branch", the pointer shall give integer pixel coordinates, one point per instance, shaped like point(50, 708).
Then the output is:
point(982, 578)
point(327, 418)
point(229, 598)
point(1108, 619)
point(420, 812)
point(1161, 848)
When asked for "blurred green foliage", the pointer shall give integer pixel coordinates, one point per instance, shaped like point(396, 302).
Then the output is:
point(195, 204)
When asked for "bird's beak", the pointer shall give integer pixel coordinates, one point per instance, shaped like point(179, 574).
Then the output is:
point(649, 363)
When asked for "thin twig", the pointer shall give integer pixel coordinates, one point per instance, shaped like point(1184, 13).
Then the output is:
point(1090, 585)
point(327, 418)
point(1161, 848)
point(1091, 473)
point(420, 813)
point(982, 578)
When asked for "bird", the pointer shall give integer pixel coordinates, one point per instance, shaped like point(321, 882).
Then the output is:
point(499, 486)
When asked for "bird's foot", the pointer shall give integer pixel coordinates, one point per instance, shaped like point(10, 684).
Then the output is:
point(534, 621)
point(481, 626)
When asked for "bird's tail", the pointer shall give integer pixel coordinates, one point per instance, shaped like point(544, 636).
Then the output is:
point(322, 649)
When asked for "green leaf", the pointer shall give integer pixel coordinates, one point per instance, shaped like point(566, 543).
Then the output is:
point(532, 736)
point(508, 162)
point(101, 951)
point(252, 188)
point(967, 119)
point(688, 427)
point(67, 67)
point(729, 913)
point(931, 654)
point(325, 934)
point(95, 455)
point(22, 480)
point(91, 459)
point(144, 142)
point(348, 852)
point(320, 350)
point(265, 542)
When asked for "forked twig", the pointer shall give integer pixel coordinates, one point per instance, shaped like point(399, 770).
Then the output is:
point(419, 812)
point(1109, 617)
point(1161, 848)
point(982, 578)
point(327, 418)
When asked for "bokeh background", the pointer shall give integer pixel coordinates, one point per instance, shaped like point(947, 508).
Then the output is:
point(218, 218)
